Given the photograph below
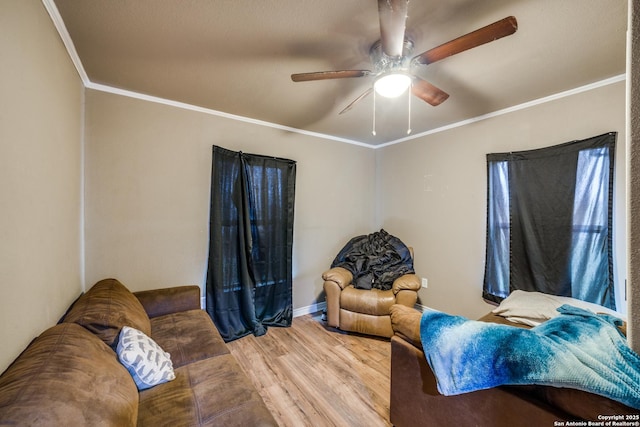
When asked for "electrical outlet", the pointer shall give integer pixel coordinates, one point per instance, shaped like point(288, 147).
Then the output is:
point(425, 282)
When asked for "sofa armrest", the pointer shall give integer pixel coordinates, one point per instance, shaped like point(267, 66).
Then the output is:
point(405, 323)
point(158, 302)
point(409, 282)
point(341, 276)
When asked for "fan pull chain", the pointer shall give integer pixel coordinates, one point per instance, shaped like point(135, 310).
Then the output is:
point(409, 118)
point(373, 131)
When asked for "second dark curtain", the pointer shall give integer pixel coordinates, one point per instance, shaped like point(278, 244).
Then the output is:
point(549, 221)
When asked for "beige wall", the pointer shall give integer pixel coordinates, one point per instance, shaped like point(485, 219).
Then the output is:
point(40, 176)
point(432, 190)
point(148, 171)
point(147, 186)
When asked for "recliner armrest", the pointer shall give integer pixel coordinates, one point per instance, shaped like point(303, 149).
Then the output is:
point(409, 282)
point(341, 276)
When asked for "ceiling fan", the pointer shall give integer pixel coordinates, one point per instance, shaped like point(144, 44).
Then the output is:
point(392, 64)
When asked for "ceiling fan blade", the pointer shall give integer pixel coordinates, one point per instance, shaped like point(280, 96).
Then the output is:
point(350, 106)
point(327, 75)
point(502, 28)
point(393, 19)
point(428, 92)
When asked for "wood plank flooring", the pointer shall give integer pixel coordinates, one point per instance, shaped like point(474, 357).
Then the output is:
point(313, 375)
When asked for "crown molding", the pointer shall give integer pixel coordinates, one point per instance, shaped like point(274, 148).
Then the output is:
point(185, 106)
point(52, 9)
point(523, 106)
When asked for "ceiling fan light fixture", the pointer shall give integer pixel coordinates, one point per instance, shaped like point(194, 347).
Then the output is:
point(392, 85)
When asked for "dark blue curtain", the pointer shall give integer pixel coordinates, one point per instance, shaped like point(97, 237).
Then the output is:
point(249, 275)
point(549, 221)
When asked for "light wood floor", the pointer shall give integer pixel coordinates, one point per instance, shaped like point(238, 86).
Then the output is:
point(312, 375)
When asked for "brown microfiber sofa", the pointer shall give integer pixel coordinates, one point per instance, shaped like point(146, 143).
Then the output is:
point(70, 375)
point(510, 406)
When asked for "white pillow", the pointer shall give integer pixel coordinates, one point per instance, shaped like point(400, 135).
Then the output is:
point(533, 308)
point(147, 363)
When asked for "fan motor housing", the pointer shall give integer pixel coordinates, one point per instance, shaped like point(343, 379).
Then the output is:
point(383, 63)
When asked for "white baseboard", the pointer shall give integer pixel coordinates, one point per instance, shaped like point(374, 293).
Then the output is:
point(313, 308)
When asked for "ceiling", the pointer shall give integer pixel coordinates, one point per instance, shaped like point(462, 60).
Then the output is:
point(236, 57)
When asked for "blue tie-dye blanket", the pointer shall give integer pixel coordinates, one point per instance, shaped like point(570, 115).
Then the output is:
point(577, 349)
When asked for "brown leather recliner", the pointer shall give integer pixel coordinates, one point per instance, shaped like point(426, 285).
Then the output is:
point(362, 310)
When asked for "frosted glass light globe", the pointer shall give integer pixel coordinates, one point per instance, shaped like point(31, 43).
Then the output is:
point(392, 85)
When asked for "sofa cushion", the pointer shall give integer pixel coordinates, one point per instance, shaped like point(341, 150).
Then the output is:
point(69, 377)
point(211, 392)
point(106, 308)
point(188, 336)
point(158, 302)
point(148, 364)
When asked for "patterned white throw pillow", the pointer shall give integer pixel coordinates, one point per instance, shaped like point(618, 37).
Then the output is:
point(147, 363)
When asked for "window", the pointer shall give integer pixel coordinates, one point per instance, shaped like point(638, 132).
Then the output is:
point(549, 221)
